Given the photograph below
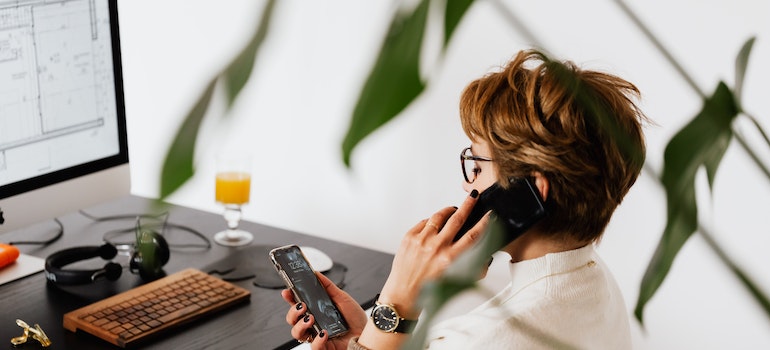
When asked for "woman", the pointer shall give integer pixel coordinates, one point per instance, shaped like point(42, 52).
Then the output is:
point(577, 135)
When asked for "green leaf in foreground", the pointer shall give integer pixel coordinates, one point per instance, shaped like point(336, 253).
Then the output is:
point(394, 81)
point(455, 10)
point(702, 142)
point(460, 276)
point(238, 72)
point(741, 62)
point(463, 275)
point(178, 166)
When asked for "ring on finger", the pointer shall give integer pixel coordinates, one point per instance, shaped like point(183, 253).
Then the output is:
point(431, 224)
point(308, 339)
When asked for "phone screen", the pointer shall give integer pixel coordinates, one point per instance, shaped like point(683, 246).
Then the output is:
point(517, 208)
point(301, 279)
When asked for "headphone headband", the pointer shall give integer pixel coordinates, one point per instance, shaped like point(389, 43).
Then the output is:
point(55, 262)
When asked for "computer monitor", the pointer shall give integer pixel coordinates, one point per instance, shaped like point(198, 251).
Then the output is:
point(63, 142)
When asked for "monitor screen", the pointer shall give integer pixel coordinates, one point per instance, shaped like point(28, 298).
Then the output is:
point(62, 112)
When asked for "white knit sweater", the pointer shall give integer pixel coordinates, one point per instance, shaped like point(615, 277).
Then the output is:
point(565, 300)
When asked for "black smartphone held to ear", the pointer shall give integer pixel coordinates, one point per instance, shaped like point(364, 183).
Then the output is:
point(301, 279)
point(517, 208)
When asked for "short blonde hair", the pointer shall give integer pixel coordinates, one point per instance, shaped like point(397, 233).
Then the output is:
point(581, 129)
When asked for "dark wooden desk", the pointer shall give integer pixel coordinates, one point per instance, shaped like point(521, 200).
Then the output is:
point(259, 324)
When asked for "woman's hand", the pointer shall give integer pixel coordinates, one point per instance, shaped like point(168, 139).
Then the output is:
point(302, 322)
point(425, 252)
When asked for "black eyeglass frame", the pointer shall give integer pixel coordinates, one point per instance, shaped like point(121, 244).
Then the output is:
point(464, 157)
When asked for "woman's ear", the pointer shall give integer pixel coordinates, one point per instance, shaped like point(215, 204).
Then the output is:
point(542, 184)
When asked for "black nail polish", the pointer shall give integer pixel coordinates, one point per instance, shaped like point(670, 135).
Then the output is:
point(475, 193)
point(322, 334)
point(307, 318)
point(299, 306)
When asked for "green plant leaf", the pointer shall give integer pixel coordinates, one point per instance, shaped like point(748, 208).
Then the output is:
point(741, 62)
point(702, 142)
point(455, 10)
point(463, 275)
point(178, 166)
point(394, 81)
point(460, 276)
point(239, 70)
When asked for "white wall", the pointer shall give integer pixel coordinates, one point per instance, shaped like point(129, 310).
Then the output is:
point(294, 114)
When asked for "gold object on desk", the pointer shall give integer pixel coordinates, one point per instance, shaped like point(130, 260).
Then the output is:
point(36, 332)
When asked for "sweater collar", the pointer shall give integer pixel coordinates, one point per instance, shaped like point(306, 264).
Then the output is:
point(526, 272)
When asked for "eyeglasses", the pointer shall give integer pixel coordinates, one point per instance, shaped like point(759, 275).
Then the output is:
point(468, 163)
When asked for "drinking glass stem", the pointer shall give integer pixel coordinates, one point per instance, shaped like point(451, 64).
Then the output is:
point(232, 216)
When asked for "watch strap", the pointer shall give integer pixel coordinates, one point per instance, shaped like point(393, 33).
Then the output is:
point(405, 326)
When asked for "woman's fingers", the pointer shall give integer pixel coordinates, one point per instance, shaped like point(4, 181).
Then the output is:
point(288, 296)
point(436, 222)
point(456, 218)
point(472, 236)
point(319, 341)
point(301, 322)
point(302, 329)
point(446, 222)
point(295, 312)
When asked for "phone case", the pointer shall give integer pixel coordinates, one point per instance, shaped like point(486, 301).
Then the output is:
point(517, 208)
point(300, 278)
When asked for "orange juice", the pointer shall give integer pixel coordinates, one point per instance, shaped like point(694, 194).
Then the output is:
point(233, 187)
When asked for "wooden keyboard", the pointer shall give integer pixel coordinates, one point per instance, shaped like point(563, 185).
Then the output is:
point(133, 315)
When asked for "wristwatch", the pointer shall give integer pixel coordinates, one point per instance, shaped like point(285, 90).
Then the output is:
point(387, 319)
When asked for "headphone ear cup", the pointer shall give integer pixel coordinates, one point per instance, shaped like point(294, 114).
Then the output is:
point(107, 251)
point(150, 254)
point(163, 251)
point(112, 271)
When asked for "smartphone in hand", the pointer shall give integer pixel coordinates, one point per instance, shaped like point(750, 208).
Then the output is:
point(516, 208)
point(301, 279)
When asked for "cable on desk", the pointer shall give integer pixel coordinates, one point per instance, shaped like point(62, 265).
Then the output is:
point(110, 235)
point(58, 235)
point(121, 217)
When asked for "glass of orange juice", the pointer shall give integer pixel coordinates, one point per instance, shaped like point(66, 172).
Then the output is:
point(233, 185)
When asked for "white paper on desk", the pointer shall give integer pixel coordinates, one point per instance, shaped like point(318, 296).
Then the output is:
point(25, 265)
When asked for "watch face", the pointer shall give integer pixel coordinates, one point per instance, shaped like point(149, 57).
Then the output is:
point(385, 318)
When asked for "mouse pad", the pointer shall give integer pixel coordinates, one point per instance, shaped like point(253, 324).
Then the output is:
point(254, 263)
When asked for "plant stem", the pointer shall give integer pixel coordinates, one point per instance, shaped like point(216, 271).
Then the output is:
point(746, 147)
point(517, 24)
point(660, 47)
point(752, 154)
point(753, 288)
point(759, 127)
point(691, 82)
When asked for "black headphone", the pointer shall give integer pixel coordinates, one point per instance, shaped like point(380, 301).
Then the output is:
point(148, 256)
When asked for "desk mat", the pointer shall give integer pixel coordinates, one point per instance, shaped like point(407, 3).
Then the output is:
point(253, 262)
